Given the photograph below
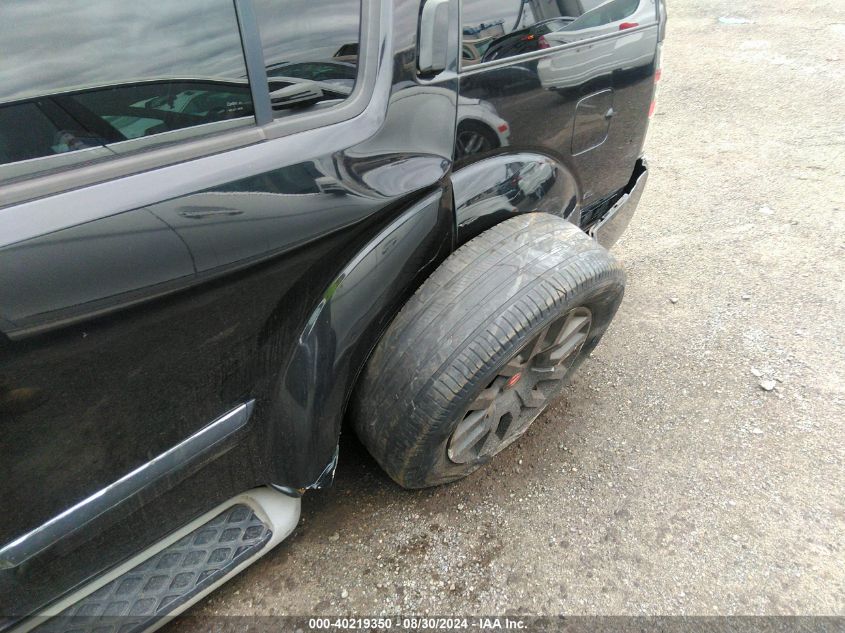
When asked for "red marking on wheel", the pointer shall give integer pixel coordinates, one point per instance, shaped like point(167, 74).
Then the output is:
point(513, 380)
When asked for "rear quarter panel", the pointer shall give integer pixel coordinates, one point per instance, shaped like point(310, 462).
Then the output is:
point(546, 98)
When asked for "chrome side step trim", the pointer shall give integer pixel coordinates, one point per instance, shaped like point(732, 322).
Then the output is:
point(278, 515)
point(129, 492)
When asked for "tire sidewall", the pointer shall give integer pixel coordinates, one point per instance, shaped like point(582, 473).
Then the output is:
point(602, 299)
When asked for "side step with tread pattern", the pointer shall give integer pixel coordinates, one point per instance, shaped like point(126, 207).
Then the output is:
point(174, 574)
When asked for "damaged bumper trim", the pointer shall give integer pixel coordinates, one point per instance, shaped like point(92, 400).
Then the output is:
point(612, 224)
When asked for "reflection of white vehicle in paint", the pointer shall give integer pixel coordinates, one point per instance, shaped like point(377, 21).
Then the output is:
point(595, 57)
point(485, 207)
point(480, 128)
point(533, 179)
point(473, 50)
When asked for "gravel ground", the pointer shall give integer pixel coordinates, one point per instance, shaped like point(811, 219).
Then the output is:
point(667, 480)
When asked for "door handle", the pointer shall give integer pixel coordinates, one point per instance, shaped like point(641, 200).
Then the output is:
point(433, 47)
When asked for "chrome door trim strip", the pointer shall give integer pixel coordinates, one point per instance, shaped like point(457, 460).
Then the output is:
point(146, 482)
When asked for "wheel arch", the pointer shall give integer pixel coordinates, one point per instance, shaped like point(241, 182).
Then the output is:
point(464, 326)
point(312, 391)
point(505, 184)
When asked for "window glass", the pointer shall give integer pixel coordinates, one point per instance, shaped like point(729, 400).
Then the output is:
point(76, 75)
point(27, 132)
point(310, 50)
point(496, 29)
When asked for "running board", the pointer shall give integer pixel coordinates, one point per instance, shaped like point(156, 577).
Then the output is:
point(164, 580)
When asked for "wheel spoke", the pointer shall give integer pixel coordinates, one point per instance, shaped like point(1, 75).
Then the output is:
point(570, 333)
point(501, 412)
point(484, 399)
point(515, 417)
point(536, 346)
point(539, 360)
point(568, 347)
point(468, 435)
point(575, 321)
point(492, 440)
point(553, 334)
point(571, 337)
point(533, 399)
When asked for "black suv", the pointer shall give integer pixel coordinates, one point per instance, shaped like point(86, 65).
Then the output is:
point(227, 226)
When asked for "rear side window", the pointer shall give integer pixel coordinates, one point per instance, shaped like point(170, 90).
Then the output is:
point(94, 77)
point(310, 51)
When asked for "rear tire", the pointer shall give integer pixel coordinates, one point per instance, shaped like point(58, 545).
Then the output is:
point(483, 347)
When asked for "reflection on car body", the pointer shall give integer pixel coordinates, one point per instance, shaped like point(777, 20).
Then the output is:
point(608, 17)
point(473, 50)
point(75, 120)
point(480, 128)
point(204, 240)
point(599, 58)
point(509, 184)
point(575, 66)
point(104, 116)
point(341, 73)
point(534, 179)
point(525, 40)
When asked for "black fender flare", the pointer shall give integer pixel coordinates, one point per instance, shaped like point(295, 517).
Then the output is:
point(313, 389)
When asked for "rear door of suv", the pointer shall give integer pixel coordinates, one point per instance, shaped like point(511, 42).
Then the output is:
point(180, 184)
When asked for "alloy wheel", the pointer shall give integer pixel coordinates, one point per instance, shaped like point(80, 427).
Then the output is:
point(520, 389)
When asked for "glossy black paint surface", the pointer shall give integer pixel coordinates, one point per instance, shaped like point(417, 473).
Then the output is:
point(133, 490)
point(582, 102)
point(524, 40)
point(493, 189)
point(134, 312)
point(130, 329)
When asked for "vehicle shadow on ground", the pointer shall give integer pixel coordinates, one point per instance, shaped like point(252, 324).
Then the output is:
point(359, 480)
point(364, 513)
point(364, 503)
